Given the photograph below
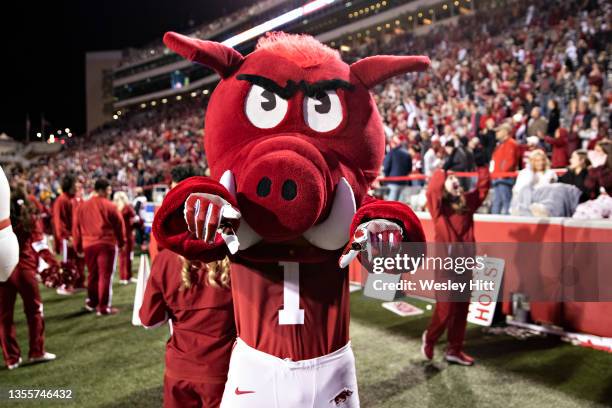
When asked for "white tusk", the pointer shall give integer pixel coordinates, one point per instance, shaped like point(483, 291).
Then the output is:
point(227, 181)
point(247, 237)
point(333, 233)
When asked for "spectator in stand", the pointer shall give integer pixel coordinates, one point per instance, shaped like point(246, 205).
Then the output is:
point(537, 125)
point(599, 179)
point(433, 158)
point(488, 140)
point(505, 159)
point(98, 233)
point(130, 220)
point(536, 175)
point(559, 148)
point(62, 226)
point(23, 281)
point(397, 163)
point(554, 117)
point(591, 136)
point(577, 172)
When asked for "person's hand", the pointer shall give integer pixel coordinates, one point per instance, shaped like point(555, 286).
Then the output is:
point(377, 237)
point(208, 214)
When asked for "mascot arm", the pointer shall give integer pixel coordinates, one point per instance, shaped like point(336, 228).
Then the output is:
point(170, 227)
point(9, 247)
point(379, 227)
point(396, 212)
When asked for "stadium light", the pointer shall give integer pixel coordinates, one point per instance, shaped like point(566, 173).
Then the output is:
point(39, 134)
point(164, 100)
point(67, 130)
point(277, 22)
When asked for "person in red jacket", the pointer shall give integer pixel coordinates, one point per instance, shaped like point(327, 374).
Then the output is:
point(98, 232)
point(197, 300)
point(22, 281)
point(505, 159)
point(63, 214)
point(560, 153)
point(129, 221)
point(452, 212)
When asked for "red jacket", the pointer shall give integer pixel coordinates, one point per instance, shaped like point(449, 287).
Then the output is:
point(506, 156)
point(597, 178)
point(203, 329)
point(62, 217)
point(128, 215)
point(98, 222)
point(560, 153)
point(32, 245)
point(449, 225)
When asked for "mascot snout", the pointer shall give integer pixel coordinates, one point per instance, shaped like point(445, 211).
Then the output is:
point(283, 188)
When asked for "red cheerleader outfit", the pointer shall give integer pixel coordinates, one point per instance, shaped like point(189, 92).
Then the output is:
point(203, 332)
point(23, 282)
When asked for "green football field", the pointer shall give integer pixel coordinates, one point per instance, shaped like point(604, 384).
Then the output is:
point(107, 362)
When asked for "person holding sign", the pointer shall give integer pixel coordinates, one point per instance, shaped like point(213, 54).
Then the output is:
point(452, 212)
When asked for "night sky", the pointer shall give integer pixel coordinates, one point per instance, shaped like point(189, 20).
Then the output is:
point(44, 46)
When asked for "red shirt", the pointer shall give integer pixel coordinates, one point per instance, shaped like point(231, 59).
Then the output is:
point(62, 217)
point(98, 222)
point(450, 225)
point(506, 156)
point(202, 321)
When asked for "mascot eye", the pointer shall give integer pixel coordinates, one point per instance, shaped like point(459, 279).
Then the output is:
point(323, 112)
point(265, 109)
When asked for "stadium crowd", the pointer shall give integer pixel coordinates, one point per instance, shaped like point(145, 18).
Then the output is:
point(504, 82)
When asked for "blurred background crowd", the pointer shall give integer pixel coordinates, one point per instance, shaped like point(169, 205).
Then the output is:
point(523, 89)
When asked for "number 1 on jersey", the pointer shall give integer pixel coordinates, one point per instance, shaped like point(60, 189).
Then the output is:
point(291, 312)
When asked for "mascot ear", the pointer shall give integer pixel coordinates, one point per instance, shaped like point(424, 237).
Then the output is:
point(374, 70)
point(224, 60)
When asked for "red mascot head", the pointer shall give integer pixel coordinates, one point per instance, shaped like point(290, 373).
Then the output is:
point(294, 131)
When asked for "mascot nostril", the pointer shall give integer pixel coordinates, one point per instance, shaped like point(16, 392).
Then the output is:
point(289, 190)
point(263, 187)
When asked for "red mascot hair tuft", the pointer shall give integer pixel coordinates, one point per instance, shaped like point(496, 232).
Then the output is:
point(302, 49)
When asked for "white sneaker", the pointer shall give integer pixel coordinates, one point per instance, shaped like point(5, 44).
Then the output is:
point(133, 280)
point(45, 357)
point(64, 291)
point(123, 282)
point(14, 366)
point(89, 308)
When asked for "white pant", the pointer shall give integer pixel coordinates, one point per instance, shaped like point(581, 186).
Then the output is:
point(260, 380)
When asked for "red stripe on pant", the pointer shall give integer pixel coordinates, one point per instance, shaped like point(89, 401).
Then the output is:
point(24, 282)
point(100, 260)
point(451, 316)
point(180, 393)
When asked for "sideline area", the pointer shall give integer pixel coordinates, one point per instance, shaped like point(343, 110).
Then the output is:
point(110, 363)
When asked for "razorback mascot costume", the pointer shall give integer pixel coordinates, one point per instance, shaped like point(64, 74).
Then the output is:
point(9, 247)
point(294, 139)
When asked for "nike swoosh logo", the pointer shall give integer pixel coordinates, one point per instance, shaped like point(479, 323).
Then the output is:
point(238, 392)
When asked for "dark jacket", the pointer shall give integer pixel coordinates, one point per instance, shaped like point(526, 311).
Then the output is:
point(457, 161)
point(397, 163)
point(576, 180)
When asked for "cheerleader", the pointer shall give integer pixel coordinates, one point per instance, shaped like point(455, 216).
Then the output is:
point(452, 212)
point(196, 298)
point(23, 281)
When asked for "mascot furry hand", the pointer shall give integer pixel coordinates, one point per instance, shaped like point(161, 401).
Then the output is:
point(294, 139)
